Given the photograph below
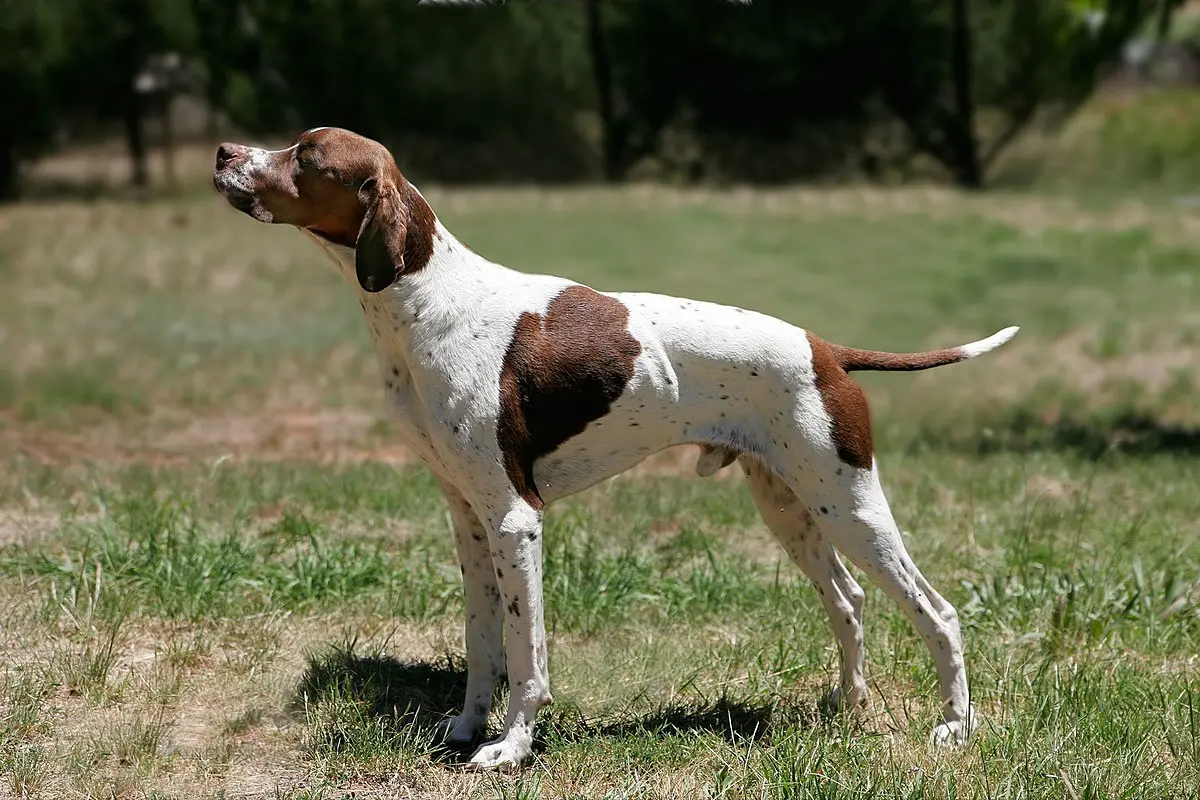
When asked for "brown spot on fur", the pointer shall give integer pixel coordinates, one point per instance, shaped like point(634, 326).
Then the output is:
point(846, 404)
point(560, 372)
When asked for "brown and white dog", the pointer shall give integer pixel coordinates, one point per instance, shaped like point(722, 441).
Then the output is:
point(519, 389)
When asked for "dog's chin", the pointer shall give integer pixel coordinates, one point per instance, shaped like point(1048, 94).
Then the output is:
point(240, 197)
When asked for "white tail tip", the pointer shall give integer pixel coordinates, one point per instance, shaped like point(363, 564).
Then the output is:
point(990, 343)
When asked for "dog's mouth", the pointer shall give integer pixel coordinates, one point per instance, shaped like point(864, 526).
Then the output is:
point(235, 189)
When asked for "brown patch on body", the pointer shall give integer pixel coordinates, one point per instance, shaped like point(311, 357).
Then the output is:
point(560, 372)
point(846, 404)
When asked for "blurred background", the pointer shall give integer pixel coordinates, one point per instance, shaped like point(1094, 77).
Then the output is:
point(910, 174)
point(200, 490)
point(1008, 92)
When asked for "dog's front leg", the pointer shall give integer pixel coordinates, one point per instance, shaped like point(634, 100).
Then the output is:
point(515, 538)
point(483, 631)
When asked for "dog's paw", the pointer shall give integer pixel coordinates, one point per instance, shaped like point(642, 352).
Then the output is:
point(832, 703)
point(954, 733)
point(502, 754)
point(460, 729)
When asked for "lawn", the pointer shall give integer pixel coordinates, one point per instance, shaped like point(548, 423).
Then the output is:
point(222, 576)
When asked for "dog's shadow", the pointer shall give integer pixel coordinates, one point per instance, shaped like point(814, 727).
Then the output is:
point(343, 694)
point(408, 700)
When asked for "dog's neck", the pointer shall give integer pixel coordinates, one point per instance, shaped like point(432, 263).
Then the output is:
point(421, 306)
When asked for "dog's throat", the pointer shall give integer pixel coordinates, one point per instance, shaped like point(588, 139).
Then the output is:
point(333, 239)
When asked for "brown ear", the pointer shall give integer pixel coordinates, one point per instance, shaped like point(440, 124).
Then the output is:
point(379, 252)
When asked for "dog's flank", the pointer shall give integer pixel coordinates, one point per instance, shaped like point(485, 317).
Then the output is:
point(519, 389)
point(554, 381)
point(714, 457)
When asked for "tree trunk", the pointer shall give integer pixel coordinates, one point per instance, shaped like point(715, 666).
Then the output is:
point(134, 138)
point(1162, 25)
point(168, 140)
point(10, 173)
point(960, 134)
point(611, 144)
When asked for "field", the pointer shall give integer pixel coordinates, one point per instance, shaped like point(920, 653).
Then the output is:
point(221, 576)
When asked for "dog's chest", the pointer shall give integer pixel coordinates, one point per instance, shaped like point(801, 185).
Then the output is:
point(440, 386)
point(403, 401)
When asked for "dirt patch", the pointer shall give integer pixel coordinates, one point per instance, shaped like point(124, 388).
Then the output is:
point(224, 706)
point(19, 526)
point(304, 434)
point(1052, 489)
point(1153, 363)
point(323, 435)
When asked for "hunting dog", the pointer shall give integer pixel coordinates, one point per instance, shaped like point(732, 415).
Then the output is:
point(519, 389)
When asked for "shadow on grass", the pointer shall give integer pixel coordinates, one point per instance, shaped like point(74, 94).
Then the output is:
point(734, 719)
point(1125, 431)
point(416, 693)
point(406, 700)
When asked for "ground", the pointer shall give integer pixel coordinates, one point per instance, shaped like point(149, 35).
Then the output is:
point(220, 574)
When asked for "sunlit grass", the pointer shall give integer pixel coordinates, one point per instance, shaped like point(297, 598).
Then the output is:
point(220, 573)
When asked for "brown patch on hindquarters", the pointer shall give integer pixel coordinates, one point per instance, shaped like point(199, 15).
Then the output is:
point(560, 372)
point(846, 404)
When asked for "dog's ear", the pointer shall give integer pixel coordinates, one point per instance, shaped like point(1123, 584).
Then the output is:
point(379, 252)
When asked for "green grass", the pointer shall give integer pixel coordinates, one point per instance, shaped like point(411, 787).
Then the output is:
point(221, 576)
point(1125, 140)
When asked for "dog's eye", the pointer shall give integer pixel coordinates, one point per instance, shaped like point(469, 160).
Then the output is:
point(304, 156)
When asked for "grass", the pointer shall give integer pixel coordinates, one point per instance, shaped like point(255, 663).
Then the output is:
point(222, 576)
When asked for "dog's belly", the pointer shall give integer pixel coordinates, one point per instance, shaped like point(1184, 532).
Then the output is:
point(606, 448)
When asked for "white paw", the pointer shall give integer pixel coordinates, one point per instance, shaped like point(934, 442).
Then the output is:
point(459, 729)
point(501, 754)
point(832, 703)
point(954, 733)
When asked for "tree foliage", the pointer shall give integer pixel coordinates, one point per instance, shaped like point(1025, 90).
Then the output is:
point(966, 77)
point(32, 45)
point(769, 90)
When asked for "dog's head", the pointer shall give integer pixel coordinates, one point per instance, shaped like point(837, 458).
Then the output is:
point(342, 187)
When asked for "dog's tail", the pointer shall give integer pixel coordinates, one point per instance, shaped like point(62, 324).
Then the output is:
point(851, 359)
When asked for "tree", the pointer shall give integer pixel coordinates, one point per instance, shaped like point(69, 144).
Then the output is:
point(965, 79)
point(31, 50)
point(778, 90)
point(111, 43)
point(466, 93)
point(771, 90)
point(612, 163)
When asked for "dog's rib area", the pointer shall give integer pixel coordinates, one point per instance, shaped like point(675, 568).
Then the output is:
point(561, 371)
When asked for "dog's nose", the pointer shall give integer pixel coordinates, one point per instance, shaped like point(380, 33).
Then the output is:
point(229, 153)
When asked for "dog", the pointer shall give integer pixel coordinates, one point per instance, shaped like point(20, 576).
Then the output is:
point(518, 389)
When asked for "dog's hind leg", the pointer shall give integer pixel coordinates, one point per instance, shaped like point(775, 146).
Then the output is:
point(850, 507)
point(798, 533)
